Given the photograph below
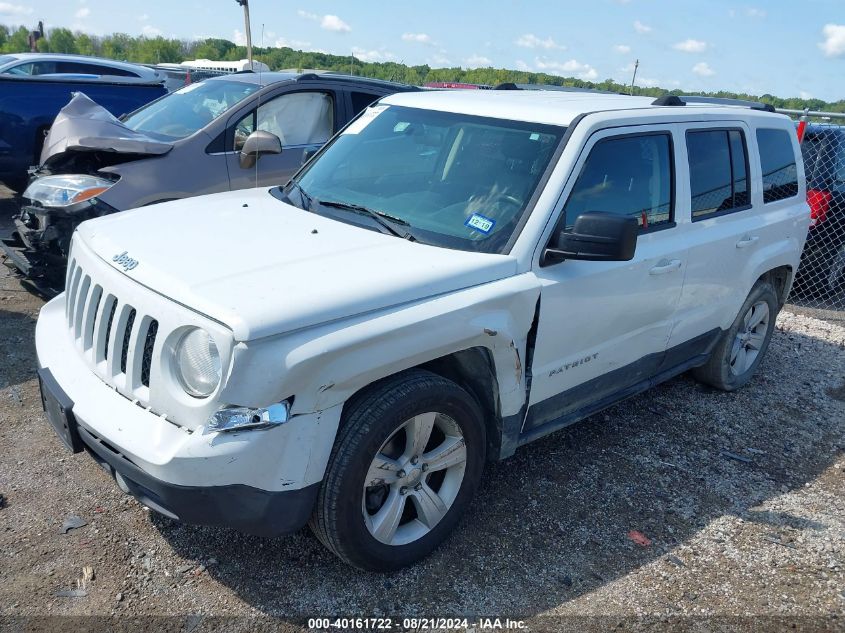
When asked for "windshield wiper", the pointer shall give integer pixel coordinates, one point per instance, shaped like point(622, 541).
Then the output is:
point(385, 220)
point(305, 198)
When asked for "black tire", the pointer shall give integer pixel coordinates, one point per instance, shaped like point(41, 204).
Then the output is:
point(717, 371)
point(369, 419)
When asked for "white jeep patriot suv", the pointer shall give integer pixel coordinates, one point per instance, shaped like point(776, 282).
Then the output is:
point(454, 275)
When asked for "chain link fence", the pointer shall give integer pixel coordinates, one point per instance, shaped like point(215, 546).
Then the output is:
point(819, 288)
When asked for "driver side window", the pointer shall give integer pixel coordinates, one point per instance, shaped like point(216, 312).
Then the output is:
point(298, 118)
point(628, 175)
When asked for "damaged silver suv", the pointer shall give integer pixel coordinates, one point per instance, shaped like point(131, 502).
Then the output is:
point(225, 133)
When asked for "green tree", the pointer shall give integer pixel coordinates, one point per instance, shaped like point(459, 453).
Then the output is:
point(85, 45)
point(62, 41)
point(212, 48)
point(18, 41)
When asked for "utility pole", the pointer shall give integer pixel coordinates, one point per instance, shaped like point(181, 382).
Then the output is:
point(634, 78)
point(245, 5)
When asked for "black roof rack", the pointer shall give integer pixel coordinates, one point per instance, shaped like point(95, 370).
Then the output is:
point(672, 100)
point(668, 100)
point(551, 87)
point(339, 76)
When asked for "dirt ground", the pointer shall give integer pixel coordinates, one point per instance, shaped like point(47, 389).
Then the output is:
point(740, 498)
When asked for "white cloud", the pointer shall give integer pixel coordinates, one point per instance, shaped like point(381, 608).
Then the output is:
point(419, 38)
point(522, 65)
point(84, 12)
point(283, 42)
point(568, 68)
point(641, 28)
point(647, 82)
point(14, 10)
point(702, 69)
point(144, 17)
point(805, 95)
point(834, 40)
point(529, 40)
point(238, 37)
point(622, 48)
point(753, 12)
point(327, 22)
point(439, 60)
point(372, 55)
point(477, 61)
point(150, 31)
point(334, 23)
point(691, 46)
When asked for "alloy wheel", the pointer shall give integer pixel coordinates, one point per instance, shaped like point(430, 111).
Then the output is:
point(749, 338)
point(414, 478)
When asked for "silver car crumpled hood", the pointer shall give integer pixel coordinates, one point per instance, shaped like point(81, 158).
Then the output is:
point(82, 125)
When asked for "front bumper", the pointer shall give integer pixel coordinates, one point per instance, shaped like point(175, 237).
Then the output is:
point(261, 482)
point(250, 510)
point(40, 241)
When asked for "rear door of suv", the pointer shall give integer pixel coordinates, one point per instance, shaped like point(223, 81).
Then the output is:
point(732, 221)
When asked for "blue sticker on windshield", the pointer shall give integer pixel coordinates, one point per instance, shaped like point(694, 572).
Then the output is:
point(480, 223)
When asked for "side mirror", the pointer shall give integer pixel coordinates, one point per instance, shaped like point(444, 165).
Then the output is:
point(596, 236)
point(256, 145)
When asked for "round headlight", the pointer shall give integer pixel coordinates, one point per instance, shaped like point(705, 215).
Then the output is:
point(197, 363)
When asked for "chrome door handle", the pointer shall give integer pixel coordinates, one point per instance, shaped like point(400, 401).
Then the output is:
point(748, 240)
point(665, 266)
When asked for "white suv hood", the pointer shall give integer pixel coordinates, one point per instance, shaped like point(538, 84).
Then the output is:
point(263, 267)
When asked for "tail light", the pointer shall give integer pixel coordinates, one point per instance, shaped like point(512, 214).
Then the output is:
point(819, 202)
point(802, 127)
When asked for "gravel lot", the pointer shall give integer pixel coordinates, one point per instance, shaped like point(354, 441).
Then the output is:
point(740, 495)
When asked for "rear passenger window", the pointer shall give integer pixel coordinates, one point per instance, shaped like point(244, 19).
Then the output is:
point(630, 176)
point(718, 163)
point(777, 158)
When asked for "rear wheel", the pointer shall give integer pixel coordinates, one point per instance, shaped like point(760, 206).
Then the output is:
point(406, 464)
point(742, 347)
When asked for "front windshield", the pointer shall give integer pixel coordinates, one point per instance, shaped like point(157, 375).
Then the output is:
point(457, 180)
point(189, 109)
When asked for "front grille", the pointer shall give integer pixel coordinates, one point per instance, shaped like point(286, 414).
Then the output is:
point(108, 329)
point(147, 359)
point(118, 340)
point(127, 333)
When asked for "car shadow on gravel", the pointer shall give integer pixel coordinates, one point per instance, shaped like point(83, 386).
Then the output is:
point(553, 522)
point(17, 348)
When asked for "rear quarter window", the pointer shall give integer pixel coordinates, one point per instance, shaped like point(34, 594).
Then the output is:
point(777, 159)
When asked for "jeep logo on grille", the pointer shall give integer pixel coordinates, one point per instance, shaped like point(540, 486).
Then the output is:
point(126, 262)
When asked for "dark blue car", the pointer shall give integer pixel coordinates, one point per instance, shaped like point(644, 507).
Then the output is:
point(28, 105)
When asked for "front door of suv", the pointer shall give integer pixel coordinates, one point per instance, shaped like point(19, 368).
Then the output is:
point(604, 326)
point(302, 119)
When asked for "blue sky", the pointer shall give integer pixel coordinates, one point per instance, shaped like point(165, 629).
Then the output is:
point(785, 48)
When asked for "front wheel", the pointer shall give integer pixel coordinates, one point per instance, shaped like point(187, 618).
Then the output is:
point(742, 347)
point(407, 462)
